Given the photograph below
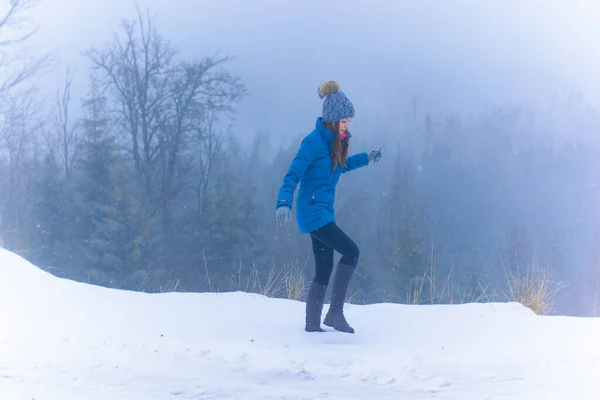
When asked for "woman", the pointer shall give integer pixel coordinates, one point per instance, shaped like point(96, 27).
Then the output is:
point(321, 159)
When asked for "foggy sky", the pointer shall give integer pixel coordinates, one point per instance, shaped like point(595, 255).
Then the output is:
point(454, 56)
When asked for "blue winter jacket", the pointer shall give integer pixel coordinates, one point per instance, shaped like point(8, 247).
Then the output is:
point(311, 167)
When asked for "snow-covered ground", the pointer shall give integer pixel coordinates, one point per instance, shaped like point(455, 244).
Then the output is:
point(65, 340)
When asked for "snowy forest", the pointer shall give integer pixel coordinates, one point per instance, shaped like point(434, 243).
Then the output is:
point(150, 190)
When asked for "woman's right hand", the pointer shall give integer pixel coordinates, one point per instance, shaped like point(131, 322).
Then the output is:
point(283, 214)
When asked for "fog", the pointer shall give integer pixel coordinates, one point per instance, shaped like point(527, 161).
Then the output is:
point(454, 57)
point(486, 113)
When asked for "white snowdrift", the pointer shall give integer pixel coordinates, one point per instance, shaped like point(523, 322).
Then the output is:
point(65, 340)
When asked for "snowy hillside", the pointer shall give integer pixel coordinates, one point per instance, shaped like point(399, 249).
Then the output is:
point(65, 340)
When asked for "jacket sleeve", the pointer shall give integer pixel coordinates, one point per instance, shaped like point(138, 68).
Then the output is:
point(299, 165)
point(356, 161)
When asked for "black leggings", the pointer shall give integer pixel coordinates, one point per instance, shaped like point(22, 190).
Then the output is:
point(324, 241)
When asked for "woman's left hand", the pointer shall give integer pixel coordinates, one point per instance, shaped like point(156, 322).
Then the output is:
point(374, 155)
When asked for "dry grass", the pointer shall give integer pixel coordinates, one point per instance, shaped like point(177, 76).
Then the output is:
point(295, 282)
point(478, 294)
point(210, 286)
point(171, 286)
point(535, 289)
point(287, 282)
point(424, 290)
point(352, 297)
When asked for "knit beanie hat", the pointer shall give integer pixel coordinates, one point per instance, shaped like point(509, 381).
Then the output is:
point(336, 105)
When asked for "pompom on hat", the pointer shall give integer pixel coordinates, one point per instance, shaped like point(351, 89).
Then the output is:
point(336, 105)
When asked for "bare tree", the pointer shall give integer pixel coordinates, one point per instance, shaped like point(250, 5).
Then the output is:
point(199, 95)
point(69, 132)
point(136, 71)
point(63, 136)
point(163, 105)
point(17, 138)
point(15, 66)
point(209, 144)
point(16, 116)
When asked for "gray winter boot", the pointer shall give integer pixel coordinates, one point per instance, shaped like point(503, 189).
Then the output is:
point(335, 316)
point(314, 307)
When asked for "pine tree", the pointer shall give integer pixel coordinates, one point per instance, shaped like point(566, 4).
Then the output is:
point(52, 220)
point(401, 233)
point(106, 228)
point(228, 229)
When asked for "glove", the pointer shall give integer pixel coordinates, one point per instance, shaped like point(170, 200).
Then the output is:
point(283, 215)
point(374, 155)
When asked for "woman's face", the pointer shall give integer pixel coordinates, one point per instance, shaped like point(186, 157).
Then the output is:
point(344, 126)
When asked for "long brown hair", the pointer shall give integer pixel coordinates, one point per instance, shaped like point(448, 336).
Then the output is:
point(339, 153)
